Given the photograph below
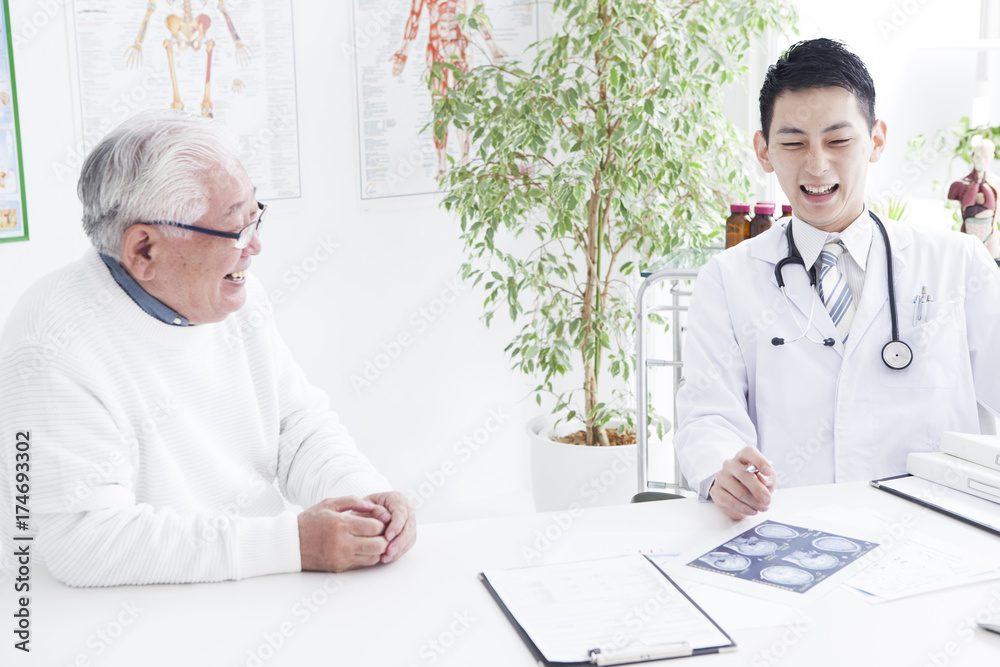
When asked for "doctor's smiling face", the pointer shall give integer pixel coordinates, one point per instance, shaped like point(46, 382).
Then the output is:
point(819, 146)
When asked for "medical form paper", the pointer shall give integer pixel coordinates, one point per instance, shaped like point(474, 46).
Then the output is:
point(611, 604)
point(920, 564)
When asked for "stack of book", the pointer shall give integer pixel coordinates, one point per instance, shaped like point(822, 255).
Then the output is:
point(966, 462)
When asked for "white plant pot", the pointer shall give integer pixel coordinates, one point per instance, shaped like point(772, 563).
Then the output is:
point(567, 476)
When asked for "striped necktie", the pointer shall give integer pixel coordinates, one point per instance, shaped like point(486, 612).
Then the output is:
point(833, 289)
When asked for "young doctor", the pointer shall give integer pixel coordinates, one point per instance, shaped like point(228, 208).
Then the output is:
point(882, 336)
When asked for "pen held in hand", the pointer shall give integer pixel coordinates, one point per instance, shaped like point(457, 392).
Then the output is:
point(752, 469)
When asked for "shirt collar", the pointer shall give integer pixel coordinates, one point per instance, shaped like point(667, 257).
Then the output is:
point(150, 304)
point(857, 238)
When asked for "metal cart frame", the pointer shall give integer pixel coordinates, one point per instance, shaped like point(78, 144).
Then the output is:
point(682, 267)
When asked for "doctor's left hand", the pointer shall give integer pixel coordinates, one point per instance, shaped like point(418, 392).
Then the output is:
point(400, 519)
point(739, 493)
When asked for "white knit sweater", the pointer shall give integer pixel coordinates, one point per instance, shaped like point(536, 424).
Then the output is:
point(154, 448)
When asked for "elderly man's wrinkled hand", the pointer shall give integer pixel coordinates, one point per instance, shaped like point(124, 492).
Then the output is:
point(401, 527)
point(338, 534)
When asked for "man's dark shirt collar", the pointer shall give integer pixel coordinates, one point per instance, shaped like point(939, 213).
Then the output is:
point(142, 298)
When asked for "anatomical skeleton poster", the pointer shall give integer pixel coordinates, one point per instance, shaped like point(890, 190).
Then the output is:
point(233, 60)
point(394, 42)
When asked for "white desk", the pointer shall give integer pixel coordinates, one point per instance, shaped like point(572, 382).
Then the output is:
point(395, 615)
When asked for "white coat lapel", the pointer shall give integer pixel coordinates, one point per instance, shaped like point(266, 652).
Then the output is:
point(872, 309)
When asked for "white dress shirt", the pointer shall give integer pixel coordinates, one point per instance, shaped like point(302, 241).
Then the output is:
point(857, 240)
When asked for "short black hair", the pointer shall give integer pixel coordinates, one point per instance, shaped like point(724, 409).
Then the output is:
point(817, 63)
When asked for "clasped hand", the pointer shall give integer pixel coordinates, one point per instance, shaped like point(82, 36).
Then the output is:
point(346, 533)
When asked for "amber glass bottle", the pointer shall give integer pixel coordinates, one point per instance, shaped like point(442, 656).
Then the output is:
point(762, 219)
point(737, 224)
point(786, 212)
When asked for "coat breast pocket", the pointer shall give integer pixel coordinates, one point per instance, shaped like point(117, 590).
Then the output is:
point(938, 343)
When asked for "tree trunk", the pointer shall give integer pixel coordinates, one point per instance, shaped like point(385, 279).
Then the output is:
point(596, 435)
point(591, 337)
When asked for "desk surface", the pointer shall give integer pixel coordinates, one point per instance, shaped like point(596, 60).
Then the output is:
point(430, 609)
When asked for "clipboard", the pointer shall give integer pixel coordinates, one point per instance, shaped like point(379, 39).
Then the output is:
point(521, 583)
point(965, 507)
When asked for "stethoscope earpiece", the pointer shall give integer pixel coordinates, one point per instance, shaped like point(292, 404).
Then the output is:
point(896, 354)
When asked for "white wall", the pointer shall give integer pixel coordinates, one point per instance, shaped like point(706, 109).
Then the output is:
point(396, 257)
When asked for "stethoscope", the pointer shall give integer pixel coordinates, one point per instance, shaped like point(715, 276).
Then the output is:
point(896, 354)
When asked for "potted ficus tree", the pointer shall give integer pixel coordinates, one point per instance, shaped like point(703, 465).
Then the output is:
point(603, 149)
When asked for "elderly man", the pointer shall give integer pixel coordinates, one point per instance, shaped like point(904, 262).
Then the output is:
point(158, 400)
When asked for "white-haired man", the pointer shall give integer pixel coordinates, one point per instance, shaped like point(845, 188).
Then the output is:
point(158, 401)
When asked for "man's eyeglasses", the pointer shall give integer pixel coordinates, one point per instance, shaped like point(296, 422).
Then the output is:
point(243, 237)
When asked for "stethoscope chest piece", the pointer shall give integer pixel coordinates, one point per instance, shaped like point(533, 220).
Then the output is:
point(897, 355)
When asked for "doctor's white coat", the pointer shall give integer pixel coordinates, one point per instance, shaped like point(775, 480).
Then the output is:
point(824, 414)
